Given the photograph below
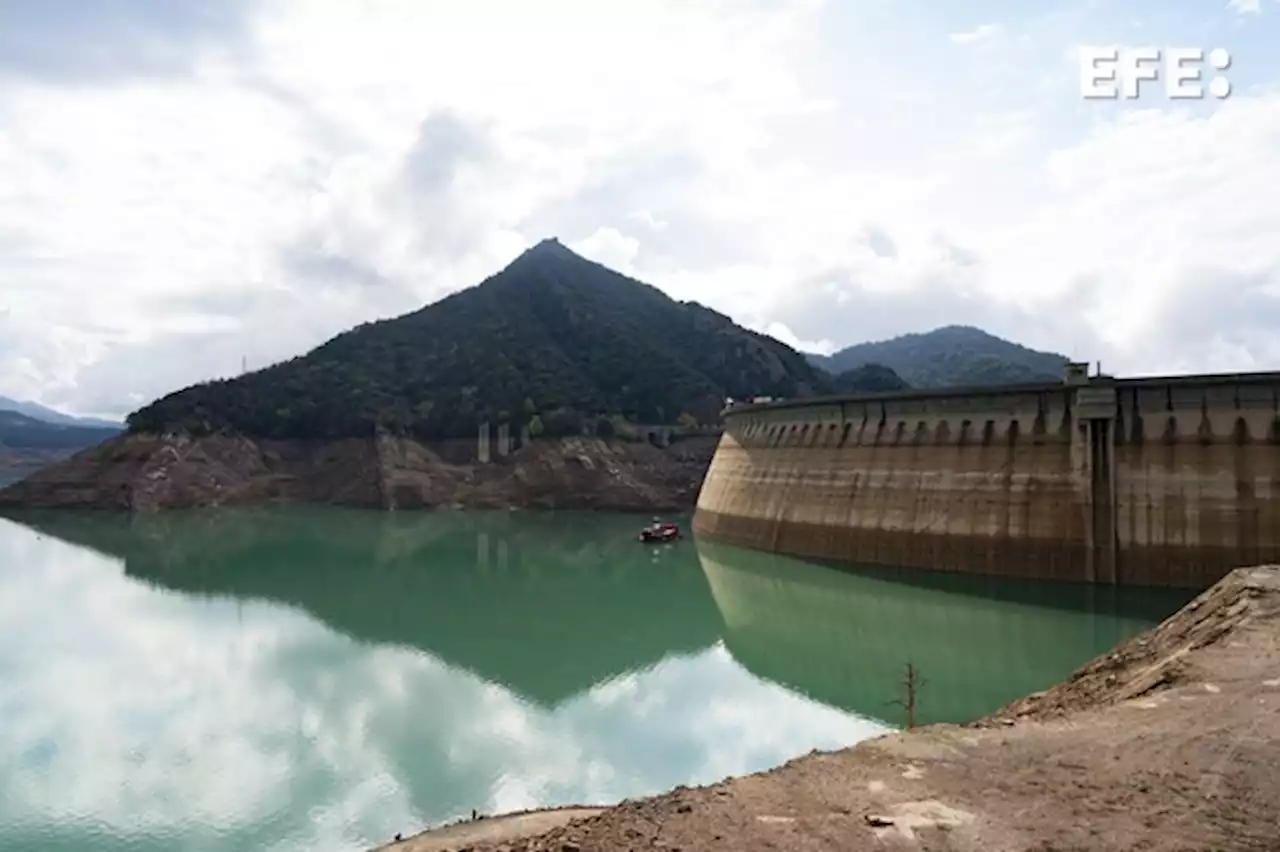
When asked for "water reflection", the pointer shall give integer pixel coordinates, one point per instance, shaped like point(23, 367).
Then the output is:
point(320, 679)
point(547, 609)
point(845, 637)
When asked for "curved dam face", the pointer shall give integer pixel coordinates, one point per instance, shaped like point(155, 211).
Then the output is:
point(1162, 481)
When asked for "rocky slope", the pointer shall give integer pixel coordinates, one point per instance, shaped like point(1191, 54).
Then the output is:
point(1169, 742)
point(16, 464)
point(141, 472)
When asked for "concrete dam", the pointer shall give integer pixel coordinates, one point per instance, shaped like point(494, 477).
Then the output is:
point(1167, 481)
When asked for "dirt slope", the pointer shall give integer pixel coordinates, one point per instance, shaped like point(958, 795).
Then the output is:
point(150, 472)
point(502, 829)
point(1170, 742)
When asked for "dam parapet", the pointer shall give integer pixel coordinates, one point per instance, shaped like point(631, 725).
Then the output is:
point(1144, 481)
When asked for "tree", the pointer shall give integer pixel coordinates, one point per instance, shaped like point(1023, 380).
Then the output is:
point(911, 685)
point(562, 422)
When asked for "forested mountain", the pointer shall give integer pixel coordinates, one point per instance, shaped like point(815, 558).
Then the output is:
point(952, 356)
point(869, 378)
point(553, 341)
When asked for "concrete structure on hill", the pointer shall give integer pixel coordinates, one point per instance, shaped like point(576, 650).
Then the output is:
point(498, 441)
point(1153, 481)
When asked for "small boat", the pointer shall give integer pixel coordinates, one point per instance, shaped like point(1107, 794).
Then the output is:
point(660, 533)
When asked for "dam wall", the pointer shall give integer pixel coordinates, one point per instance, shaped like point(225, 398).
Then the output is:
point(1165, 481)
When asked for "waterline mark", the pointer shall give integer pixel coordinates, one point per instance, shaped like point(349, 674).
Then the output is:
point(1107, 73)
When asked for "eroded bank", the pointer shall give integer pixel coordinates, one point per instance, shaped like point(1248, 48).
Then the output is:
point(145, 472)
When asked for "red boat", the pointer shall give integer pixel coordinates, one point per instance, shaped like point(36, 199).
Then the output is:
point(660, 533)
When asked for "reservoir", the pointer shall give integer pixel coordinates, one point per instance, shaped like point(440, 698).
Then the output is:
point(321, 679)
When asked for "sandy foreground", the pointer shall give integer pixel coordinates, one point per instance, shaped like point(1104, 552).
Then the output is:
point(1169, 742)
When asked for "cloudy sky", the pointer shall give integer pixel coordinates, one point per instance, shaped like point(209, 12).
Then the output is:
point(186, 184)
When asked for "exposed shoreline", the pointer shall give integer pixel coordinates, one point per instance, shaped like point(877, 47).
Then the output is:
point(149, 473)
point(1171, 740)
point(514, 826)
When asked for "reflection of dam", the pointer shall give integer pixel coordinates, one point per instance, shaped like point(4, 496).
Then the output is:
point(845, 638)
point(547, 606)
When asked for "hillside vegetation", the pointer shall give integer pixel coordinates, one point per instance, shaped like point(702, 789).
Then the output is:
point(553, 342)
point(952, 356)
point(875, 378)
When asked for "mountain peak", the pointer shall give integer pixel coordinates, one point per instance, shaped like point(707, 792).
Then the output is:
point(549, 250)
point(549, 247)
point(553, 343)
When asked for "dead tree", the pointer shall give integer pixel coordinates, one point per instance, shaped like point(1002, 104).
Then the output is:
point(911, 684)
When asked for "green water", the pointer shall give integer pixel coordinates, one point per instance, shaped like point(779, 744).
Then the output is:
point(321, 679)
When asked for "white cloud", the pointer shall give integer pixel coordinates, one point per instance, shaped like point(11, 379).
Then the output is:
point(610, 247)
point(780, 332)
point(980, 33)
point(1245, 7)
point(309, 162)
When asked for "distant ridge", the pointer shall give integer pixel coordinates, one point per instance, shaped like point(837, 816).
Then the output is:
point(951, 356)
point(18, 432)
point(49, 415)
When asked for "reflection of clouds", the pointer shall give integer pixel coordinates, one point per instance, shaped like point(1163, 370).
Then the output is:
point(688, 720)
point(138, 712)
point(153, 705)
point(148, 714)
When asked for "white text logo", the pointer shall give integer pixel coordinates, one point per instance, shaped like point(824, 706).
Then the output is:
point(1114, 72)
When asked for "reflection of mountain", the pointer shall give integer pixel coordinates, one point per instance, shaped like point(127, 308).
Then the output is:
point(546, 605)
point(549, 605)
point(845, 638)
